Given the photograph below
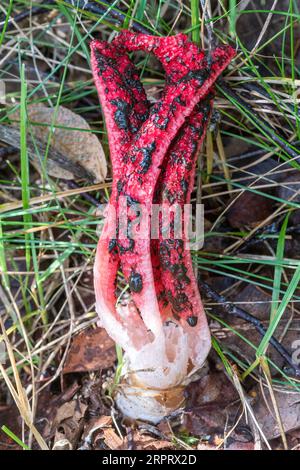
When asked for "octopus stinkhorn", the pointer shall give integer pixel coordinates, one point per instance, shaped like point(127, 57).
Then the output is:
point(161, 325)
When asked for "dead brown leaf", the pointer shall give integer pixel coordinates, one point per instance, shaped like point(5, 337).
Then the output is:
point(145, 442)
point(93, 432)
point(113, 440)
point(212, 387)
point(90, 350)
point(289, 409)
point(68, 424)
point(72, 138)
point(249, 209)
point(212, 403)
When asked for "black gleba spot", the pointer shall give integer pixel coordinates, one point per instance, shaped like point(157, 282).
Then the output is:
point(135, 282)
point(147, 157)
point(121, 115)
point(192, 320)
point(113, 245)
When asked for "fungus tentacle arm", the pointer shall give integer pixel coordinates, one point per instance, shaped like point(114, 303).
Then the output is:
point(174, 188)
point(146, 147)
point(161, 325)
point(125, 108)
point(189, 75)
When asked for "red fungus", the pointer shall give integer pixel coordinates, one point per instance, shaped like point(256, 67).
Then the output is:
point(189, 75)
point(125, 108)
point(174, 187)
point(153, 152)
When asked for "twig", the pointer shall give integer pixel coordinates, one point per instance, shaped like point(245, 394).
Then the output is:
point(235, 311)
point(7, 151)
point(10, 150)
point(234, 96)
point(256, 153)
point(11, 136)
point(116, 16)
point(72, 184)
point(259, 236)
point(101, 8)
point(36, 10)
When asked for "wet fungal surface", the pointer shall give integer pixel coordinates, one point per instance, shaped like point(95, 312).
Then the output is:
point(192, 320)
point(135, 281)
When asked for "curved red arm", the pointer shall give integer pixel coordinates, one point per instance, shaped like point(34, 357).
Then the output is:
point(153, 155)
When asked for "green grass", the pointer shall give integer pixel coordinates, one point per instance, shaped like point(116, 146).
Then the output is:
point(47, 247)
point(15, 438)
point(195, 20)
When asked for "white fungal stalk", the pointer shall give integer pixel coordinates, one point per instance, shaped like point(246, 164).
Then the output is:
point(158, 362)
point(155, 375)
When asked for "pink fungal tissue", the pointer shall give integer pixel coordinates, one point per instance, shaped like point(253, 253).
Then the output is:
point(160, 322)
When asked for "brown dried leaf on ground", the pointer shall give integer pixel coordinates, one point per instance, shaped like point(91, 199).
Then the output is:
point(48, 406)
point(249, 210)
point(113, 440)
point(68, 425)
point(211, 401)
point(93, 429)
point(72, 138)
point(289, 408)
point(100, 434)
point(212, 387)
point(205, 420)
point(143, 441)
point(9, 416)
point(90, 350)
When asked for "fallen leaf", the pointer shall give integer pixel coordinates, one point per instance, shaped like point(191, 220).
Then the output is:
point(72, 138)
point(95, 425)
point(212, 387)
point(94, 429)
point(289, 190)
point(90, 350)
point(212, 403)
point(205, 420)
point(68, 424)
point(289, 409)
point(112, 440)
point(241, 446)
point(249, 209)
point(145, 442)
